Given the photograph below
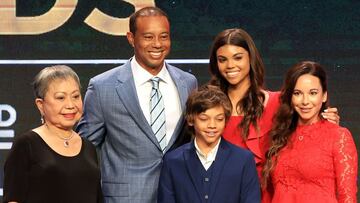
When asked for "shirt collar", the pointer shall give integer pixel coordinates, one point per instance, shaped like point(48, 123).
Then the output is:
point(142, 76)
point(212, 153)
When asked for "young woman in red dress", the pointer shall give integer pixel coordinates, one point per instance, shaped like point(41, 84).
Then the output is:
point(236, 66)
point(310, 159)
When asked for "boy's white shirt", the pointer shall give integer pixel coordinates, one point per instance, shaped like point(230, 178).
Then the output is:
point(207, 160)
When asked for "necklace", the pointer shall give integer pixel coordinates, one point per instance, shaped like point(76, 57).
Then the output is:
point(65, 139)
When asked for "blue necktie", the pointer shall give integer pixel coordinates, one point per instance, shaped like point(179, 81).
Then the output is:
point(157, 114)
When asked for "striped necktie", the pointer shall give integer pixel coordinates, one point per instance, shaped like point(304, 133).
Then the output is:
point(157, 114)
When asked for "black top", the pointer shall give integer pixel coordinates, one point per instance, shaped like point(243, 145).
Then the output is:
point(34, 172)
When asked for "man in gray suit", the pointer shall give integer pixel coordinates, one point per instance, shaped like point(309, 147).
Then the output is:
point(117, 111)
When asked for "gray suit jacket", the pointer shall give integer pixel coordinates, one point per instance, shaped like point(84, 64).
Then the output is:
point(113, 121)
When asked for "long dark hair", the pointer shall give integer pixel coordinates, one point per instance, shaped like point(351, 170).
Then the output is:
point(286, 119)
point(252, 102)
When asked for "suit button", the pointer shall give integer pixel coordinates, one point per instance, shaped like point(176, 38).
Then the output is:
point(207, 179)
point(206, 196)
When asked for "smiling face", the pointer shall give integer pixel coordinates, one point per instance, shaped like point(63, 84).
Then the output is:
point(151, 42)
point(208, 127)
point(234, 64)
point(308, 98)
point(62, 104)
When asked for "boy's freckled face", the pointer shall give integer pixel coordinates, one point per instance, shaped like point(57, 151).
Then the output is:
point(209, 126)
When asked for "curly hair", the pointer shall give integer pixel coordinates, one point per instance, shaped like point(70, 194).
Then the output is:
point(251, 104)
point(286, 119)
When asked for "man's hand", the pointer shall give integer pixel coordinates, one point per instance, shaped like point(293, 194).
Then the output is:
point(331, 114)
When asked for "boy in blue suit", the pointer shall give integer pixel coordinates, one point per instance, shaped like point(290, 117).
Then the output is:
point(208, 169)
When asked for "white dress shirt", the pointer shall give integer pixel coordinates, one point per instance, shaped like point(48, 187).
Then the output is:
point(142, 79)
point(207, 160)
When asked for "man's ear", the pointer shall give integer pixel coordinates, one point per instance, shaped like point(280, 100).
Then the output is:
point(130, 38)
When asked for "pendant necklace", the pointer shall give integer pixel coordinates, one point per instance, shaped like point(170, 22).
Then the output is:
point(65, 139)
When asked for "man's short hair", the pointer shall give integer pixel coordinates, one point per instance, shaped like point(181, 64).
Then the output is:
point(145, 12)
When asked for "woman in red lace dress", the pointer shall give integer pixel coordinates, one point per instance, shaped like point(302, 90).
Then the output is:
point(236, 66)
point(310, 159)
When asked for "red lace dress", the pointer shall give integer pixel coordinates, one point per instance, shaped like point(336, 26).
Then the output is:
point(318, 165)
point(256, 143)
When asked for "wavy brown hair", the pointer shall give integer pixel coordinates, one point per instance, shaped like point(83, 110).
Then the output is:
point(251, 104)
point(286, 119)
point(204, 98)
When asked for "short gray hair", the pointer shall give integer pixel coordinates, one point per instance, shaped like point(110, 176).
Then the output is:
point(47, 75)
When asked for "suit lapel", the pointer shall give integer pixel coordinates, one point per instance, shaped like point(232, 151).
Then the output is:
point(180, 85)
point(127, 94)
point(218, 165)
point(183, 95)
point(191, 160)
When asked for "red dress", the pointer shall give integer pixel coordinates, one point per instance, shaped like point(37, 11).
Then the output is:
point(318, 165)
point(258, 144)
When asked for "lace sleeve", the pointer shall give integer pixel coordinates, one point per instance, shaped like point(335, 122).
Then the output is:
point(345, 163)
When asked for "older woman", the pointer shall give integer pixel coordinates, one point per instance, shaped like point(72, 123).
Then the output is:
point(52, 163)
